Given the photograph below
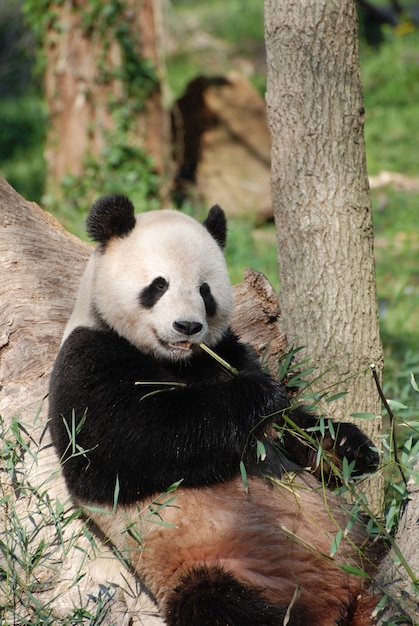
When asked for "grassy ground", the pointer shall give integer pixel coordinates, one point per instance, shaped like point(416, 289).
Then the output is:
point(22, 135)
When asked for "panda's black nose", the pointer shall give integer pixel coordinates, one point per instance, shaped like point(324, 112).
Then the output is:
point(187, 328)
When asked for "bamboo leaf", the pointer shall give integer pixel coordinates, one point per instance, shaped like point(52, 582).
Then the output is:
point(331, 428)
point(159, 383)
point(116, 494)
point(243, 473)
point(260, 450)
point(396, 406)
point(96, 509)
point(337, 396)
point(174, 486)
point(336, 543)
point(351, 569)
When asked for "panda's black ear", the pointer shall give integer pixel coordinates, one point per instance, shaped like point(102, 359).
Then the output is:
point(110, 216)
point(216, 225)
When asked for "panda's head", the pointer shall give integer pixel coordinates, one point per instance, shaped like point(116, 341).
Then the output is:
point(159, 279)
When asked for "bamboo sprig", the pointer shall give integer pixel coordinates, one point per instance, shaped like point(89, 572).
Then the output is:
point(230, 369)
point(159, 383)
point(162, 387)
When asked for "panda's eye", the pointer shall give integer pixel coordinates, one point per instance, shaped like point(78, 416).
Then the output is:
point(209, 300)
point(153, 292)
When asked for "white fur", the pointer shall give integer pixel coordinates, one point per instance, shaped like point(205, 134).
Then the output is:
point(164, 244)
point(82, 312)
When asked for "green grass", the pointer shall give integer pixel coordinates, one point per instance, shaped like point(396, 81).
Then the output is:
point(396, 253)
point(22, 139)
point(250, 247)
point(213, 37)
point(390, 77)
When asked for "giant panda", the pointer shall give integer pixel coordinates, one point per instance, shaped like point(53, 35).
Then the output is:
point(153, 434)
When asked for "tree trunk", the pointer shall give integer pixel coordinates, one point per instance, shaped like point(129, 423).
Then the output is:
point(321, 200)
point(392, 577)
point(102, 80)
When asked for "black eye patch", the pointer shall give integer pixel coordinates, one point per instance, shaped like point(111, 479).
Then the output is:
point(151, 294)
point(208, 298)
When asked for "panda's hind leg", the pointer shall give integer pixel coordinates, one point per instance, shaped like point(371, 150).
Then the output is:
point(210, 596)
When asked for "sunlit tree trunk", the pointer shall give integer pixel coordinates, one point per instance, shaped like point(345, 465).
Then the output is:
point(103, 80)
point(321, 198)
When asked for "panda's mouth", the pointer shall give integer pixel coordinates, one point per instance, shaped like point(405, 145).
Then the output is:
point(182, 346)
point(175, 348)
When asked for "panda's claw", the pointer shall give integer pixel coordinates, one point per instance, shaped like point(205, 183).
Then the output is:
point(353, 444)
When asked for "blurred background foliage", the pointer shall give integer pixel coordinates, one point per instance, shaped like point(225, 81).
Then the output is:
point(211, 37)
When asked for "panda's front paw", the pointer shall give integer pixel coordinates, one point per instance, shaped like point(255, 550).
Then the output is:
point(352, 443)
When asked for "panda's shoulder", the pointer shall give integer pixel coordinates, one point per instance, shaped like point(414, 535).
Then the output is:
point(84, 338)
point(90, 347)
point(241, 355)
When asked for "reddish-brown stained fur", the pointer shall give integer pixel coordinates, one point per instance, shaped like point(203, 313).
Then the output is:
point(272, 539)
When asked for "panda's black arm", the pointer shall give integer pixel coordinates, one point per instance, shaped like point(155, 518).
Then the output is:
point(346, 440)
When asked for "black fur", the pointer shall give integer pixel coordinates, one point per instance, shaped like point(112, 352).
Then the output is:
point(153, 292)
point(198, 433)
point(110, 216)
point(216, 225)
point(214, 597)
point(209, 300)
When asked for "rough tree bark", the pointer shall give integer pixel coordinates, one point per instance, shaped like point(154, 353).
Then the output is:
point(392, 577)
point(321, 198)
point(323, 220)
point(84, 84)
point(40, 268)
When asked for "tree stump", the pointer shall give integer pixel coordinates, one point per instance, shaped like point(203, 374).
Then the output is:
point(223, 148)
